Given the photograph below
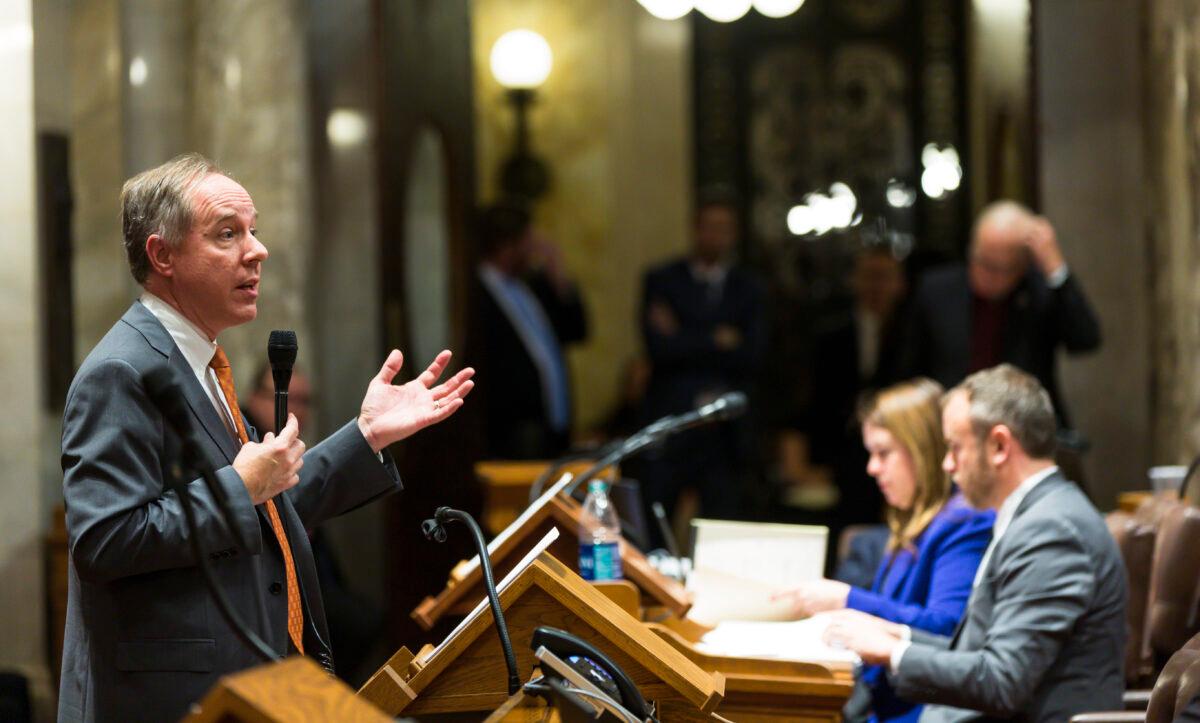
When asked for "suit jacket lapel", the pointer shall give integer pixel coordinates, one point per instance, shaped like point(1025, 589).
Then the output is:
point(1043, 488)
point(140, 318)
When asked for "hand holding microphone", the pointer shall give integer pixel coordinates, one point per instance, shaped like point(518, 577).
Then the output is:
point(272, 465)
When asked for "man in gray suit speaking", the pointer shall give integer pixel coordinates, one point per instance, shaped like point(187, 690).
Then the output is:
point(1044, 632)
point(143, 638)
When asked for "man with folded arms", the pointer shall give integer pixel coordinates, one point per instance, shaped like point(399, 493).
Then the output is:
point(143, 638)
point(1044, 633)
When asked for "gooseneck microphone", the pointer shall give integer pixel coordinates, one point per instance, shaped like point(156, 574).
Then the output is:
point(728, 406)
point(166, 394)
point(725, 407)
point(281, 352)
point(435, 530)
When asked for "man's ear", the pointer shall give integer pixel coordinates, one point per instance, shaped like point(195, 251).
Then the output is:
point(160, 255)
point(999, 444)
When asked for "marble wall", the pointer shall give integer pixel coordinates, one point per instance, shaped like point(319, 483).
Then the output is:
point(612, 122)
point(226, 78)
point(21, 514)
point(1090, 69)
point(1171, 98)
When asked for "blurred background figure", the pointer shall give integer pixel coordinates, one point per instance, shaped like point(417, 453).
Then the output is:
point(527, 311)
point(355, 624)
point(855, 355)
point(703, 323)
point(934, 544)
point(1015, 301)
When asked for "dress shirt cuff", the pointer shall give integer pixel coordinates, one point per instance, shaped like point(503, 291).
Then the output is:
point(905, 633)
point(898, 653)
point(1059, 277)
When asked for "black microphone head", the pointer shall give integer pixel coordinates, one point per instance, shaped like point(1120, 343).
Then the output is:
point(433, 530)
point(731, 405)
point(281, 352)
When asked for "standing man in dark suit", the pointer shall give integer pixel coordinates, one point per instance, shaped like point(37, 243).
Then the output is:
point(1015, 301)
point(704, 329)
point(1044, 633)
point(143, 638)
point(527, 311)
point(853, 356)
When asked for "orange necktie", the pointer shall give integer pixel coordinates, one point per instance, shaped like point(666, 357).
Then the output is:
point(220, 364)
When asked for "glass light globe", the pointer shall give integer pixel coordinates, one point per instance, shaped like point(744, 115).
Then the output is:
point(668, 9)
point(777, 8)
point(521, 59)
point(723, 11)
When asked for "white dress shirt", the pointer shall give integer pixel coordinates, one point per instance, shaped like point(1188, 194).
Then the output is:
point(197, 351)
point(1004, 517)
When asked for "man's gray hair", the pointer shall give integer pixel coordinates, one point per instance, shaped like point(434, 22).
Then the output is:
point(1006, 395)
point(1004, 214)
point(158, 201)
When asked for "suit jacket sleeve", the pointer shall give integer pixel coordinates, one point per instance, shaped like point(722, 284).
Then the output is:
point(958, 555)
point(121, 519)
point(1077, 325)
point(340, 474)
point(1042, 587)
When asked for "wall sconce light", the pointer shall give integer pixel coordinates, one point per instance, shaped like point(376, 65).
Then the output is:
point(521, 61)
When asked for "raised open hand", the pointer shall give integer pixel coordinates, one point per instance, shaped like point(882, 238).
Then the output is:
point(392, 412)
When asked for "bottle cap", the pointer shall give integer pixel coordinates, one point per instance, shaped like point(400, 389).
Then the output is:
point(597, 485)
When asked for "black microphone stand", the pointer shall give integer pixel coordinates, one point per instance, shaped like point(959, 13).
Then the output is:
point(434, 529)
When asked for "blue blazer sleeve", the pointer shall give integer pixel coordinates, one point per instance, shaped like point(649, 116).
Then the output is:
point(948, 557)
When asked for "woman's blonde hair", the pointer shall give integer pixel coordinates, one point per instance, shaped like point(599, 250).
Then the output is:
point(912, 412)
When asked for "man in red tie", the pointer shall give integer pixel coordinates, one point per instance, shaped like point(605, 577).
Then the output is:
point(143, 638)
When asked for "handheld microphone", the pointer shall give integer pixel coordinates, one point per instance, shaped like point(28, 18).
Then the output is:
point(281, 352)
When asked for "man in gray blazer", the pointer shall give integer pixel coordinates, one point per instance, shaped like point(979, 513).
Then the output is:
point(143, 638)
point(1043, 637)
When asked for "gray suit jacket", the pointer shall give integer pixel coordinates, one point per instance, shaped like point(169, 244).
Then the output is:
point(143, 638)
point(1044, 633)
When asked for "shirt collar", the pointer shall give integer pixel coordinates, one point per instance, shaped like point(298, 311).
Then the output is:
point(714, 274)
point(197, 349)
point(1008, 508)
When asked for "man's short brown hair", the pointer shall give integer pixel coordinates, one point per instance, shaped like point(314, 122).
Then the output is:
point(1006, 395)
point(158, 201)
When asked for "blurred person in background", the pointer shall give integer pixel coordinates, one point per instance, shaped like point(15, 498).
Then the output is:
point(704, 326)
point(527, 311)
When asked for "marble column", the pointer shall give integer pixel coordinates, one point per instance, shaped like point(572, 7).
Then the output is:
point(251, 115)
point(616, 103)
point(1089, 65)
point(22, 645)
point(1171, 95)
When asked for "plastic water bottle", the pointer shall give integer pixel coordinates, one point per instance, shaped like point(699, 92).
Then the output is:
point(599, 552)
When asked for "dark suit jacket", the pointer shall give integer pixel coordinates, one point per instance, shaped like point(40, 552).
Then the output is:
point(831, 423)
point(688, 363)
point(143, 638)
point(515, 420)
point(1044, 632)
point(1040, 320)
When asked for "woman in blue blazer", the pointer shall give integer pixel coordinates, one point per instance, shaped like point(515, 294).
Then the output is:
point(935, 544)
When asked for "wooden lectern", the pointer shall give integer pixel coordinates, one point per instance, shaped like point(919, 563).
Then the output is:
point(465, 587)
point(292, 690)
point(466, 673)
